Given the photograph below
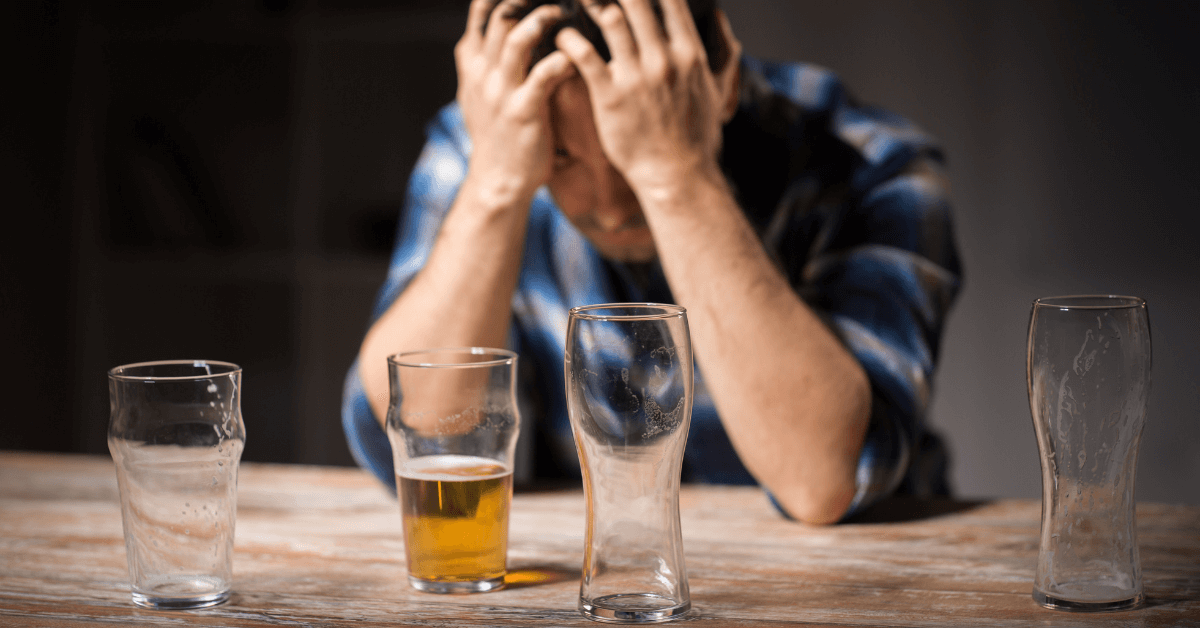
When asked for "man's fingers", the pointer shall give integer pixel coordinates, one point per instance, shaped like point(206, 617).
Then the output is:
point(524, 36)
point(677, 19)
point(731, 40)
point(498, 27)
point(548, 74)
point(476, 18)
point(728, 79)
point(591, 67)
point(734, 46)
point(611, 20)
point(651, 39)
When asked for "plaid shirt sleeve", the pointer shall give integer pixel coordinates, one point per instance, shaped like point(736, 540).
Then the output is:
point(887, 296)
point(432, 188)
point(866, 238)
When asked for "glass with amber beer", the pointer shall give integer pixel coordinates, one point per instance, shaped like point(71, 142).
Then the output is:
point(453, 425)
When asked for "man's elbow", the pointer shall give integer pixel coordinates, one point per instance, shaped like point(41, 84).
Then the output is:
point(820, 505)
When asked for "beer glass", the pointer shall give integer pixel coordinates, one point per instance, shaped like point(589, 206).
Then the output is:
point(1088, 375)
point(176, 435)
point(628, 373)
point(453, 423)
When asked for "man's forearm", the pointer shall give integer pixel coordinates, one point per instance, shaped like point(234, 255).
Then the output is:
point(793, 400)
point(463, 295)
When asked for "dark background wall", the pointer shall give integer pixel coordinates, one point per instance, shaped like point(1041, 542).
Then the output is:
point(221, 180)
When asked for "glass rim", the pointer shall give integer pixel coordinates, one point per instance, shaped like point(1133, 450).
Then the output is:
point(1090, 302)
point(663, 311)
point(502, 356)
point(119, 372)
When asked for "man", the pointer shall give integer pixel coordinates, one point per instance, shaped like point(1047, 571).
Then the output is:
point(809, 240)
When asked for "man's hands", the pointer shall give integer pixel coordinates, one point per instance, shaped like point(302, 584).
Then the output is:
point(658, 108)
point(504, 108)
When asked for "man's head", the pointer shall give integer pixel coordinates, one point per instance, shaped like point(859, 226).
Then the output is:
point(591, 193)
point(704, 13)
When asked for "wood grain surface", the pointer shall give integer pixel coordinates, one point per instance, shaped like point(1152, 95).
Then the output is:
point(322, 546)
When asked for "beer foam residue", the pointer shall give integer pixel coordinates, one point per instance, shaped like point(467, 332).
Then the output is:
point(453, 468)
point(658, 420)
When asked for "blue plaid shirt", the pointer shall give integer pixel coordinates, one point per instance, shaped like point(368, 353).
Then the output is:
point(850, 202)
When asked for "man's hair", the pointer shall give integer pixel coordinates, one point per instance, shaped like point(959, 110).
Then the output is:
point(704, 13)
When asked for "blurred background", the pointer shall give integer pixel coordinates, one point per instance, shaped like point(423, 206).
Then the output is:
point(222, 179)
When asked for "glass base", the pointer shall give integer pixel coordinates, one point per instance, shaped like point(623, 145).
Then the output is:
point(177, 603)
point(468, 586)
point(633, 608)
point(1059, 604)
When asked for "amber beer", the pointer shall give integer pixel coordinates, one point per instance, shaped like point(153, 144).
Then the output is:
point(455, 512)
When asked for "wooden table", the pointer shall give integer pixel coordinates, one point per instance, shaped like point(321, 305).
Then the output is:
point(322, 546)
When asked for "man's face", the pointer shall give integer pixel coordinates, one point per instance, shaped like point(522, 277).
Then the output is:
point(588, 190)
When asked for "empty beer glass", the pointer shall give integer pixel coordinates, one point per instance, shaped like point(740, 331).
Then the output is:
point(629, 393)
point(453, 425)
point(1089, 379)
point(176, 436)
